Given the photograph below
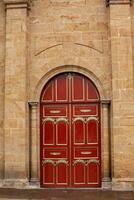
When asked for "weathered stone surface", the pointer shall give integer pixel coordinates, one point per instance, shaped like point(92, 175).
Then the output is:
point(56, 36)
point(2, 57)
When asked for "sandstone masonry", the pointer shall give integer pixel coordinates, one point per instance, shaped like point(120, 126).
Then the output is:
point(42, 38)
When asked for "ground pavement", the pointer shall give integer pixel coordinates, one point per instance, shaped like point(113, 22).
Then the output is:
point(53, 194)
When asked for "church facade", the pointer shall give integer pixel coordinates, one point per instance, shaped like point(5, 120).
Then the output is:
point(67, 94)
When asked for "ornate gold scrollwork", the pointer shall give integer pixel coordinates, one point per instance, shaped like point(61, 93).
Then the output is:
point(48, 162)
point(92, 118)
point(79, 161)
point(93, 161)
point(86, 162)
point(55, 121)
point(62, 162)
point(79, 119)
point(62, 119)
point(48, 119)
point(54, 163)
point(85, 120)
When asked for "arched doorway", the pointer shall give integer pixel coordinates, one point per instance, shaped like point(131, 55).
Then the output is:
point(70, 140)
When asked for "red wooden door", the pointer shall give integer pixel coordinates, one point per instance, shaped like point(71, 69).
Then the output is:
point(70, 133)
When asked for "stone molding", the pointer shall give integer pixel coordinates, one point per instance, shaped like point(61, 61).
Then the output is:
point(116, 2)
point(106, 101)
point(14, 4)
point(33, 103)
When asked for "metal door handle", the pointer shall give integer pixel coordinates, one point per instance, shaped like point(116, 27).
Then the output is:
point(85, 110)
point(55, 111)
point(86, 152)
point(55, 153)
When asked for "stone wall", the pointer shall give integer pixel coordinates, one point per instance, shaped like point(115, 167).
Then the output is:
point(123, 93)
point(69, 32)
point(15, 115)
point(55, 36)
point(2, 61)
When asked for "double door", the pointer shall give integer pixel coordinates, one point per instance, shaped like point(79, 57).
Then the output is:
point(70, 145)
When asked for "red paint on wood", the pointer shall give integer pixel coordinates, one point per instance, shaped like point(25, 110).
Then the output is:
point(70, 150)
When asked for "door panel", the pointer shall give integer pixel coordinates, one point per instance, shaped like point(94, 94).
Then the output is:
point(55, 154)
point(85, 110)
point(92, 173)
point(90, 152)
point(78, 84)
point(61, 85)
point(92, 131)
point(85, 146)
point(62, 132)
point(48, 171)
point(54, 111)
point(79, 173)
point(62, 175)
point(70, 133)
point(79, 131)
point(48, 133)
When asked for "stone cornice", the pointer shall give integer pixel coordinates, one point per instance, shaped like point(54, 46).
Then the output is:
point(14, 4)
point(116, 2)
point(33, 103)
point(106, 101)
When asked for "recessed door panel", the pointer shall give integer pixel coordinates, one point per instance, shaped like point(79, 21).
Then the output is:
point(79, 174)
point(79, 131)
point(92, 93)
point(82, 152)
point(85, 110)
point(48, 171)
point(62, 133)
point(48, 95)
point(61, 85)
point(62, 174)
point(55, 153)
point(77, 86)
point(92, 173)
point(48, 133)
point(54, 111)
point(92, 131)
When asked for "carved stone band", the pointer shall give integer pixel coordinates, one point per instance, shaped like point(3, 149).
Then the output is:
point(16, 1)
point(109, 2)
point(15, 4)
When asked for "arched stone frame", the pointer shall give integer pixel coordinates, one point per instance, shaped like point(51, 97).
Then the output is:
point(34, 119)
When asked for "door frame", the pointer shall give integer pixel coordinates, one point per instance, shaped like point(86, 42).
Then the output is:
point(34, 125)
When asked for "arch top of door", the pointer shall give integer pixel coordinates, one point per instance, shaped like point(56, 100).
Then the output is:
point(69, 87)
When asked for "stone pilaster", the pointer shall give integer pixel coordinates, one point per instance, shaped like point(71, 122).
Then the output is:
point(15, 121)
point(106, 140)
point(106, 144)
point(34, 142)
point(2, 56)
point(122, 88)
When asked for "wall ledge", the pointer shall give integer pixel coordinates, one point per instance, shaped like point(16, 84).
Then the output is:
point(117, 2)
